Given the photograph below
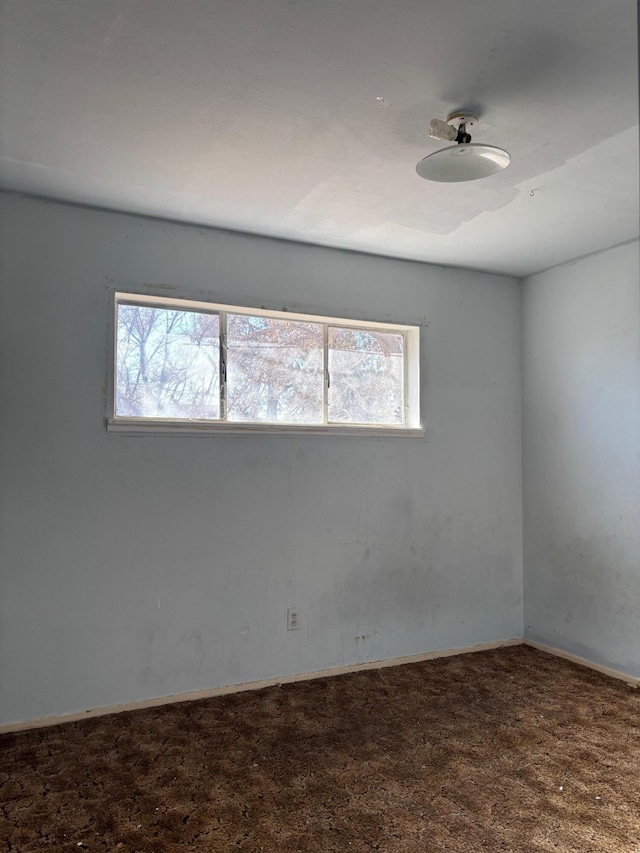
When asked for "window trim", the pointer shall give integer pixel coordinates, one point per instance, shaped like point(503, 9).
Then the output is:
point(411, 428)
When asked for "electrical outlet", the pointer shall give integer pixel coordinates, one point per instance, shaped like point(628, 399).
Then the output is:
point(293, 619)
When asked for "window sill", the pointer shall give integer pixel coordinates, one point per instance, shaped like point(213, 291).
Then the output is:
point(142, 425)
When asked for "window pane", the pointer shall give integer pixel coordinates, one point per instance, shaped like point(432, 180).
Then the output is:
point(168, 363)
point(274, 370)
point(366, 370)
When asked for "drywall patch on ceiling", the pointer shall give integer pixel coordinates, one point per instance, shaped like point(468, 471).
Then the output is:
point(333, 207)
point(556, 209)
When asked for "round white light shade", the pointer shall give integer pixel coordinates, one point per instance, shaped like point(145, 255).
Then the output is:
point(465, 162)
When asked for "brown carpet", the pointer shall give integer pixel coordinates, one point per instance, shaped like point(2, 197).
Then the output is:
point(508, 750)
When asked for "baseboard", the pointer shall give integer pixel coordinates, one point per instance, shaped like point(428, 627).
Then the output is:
point(251, 685)
point(631, 680)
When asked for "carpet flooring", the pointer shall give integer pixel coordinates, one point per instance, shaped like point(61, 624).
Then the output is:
point(507, 750)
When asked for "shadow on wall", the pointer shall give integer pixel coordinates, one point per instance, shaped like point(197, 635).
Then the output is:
point(585, 590)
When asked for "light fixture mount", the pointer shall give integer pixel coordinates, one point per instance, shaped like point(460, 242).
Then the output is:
point(464, 161)
point(462, 117)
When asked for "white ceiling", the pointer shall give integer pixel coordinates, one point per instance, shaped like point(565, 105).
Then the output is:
point(304, 119)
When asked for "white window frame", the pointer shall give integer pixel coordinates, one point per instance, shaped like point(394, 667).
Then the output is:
point(412, 426)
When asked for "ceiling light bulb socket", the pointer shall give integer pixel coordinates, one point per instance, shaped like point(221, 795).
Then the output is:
point(465, 161)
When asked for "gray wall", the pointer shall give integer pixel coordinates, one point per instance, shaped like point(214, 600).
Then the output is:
point(581, 458)
point(143, 566)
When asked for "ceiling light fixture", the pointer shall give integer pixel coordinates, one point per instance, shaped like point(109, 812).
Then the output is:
point(464, 161)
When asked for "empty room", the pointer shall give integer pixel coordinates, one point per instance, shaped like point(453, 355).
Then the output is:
point(320, 426)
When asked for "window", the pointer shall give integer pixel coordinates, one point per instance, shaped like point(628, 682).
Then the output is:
point(194, 366)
